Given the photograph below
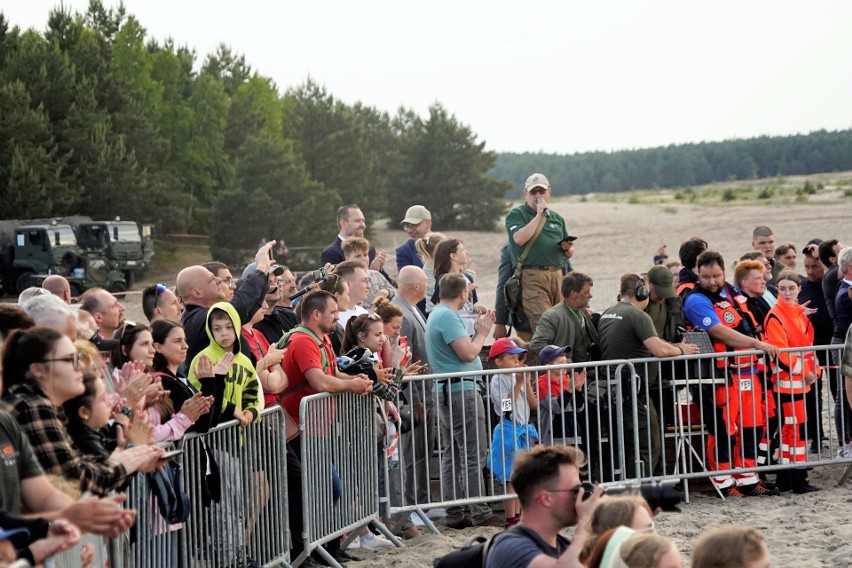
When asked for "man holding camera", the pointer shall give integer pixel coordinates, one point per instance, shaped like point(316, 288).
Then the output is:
point(533, 224)
point(547, 481)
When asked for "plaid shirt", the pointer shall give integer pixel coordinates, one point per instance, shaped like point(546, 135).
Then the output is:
point(44, 424)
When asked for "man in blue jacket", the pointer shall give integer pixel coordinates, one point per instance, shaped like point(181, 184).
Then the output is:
point(417, 223)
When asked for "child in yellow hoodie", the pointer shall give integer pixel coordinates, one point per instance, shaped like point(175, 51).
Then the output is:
point(243, 399)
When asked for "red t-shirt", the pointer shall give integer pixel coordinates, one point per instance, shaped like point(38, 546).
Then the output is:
point(302, 354)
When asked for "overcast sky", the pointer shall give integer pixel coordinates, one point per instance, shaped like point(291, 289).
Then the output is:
point(558, 76)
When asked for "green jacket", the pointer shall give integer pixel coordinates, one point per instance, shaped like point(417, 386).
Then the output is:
point(559, 326)
point(242, 388)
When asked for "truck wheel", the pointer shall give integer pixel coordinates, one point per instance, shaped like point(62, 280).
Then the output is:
point(117, 287)
point(25, 280)
point(129, 276)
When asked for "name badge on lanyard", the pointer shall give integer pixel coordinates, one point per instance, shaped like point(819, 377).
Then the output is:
point(506, 405)
point(745, 384)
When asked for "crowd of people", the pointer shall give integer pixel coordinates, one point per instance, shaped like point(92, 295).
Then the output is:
point(88, 395)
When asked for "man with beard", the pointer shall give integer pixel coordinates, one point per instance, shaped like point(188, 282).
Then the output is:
point(311, 368)
point(105, 308)
point(569, 323)
point(547, 481)
point(738, 419)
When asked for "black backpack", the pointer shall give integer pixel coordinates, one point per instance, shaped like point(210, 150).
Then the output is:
point(475, 551)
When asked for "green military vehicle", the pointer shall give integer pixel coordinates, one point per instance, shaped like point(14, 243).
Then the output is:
point(37, 250)
point(129, 249)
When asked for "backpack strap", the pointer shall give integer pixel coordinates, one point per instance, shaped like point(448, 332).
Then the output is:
point(284, 342)
point(520, 264)
point(528, 533)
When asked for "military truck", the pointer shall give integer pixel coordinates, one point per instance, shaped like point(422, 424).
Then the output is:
point(100, 245)
point(32, 251)
point(122, 242)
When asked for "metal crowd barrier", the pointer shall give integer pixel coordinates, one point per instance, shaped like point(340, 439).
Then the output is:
point(249, 520)
point(338, 440)
point(446, 458)
point(630, 428)
point(91, 551)
point(238, 502)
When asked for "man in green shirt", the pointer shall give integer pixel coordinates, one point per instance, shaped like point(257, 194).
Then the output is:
point(569, 323)
point(542, 270)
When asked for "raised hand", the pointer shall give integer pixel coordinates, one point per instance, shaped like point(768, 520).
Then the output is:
point(204, 367)
point(223, 367)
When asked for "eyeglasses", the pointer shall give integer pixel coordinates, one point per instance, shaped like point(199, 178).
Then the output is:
point(537, 191)
point(230, 281)
point(76, 360)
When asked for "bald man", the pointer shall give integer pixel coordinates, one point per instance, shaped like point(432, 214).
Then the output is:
point(58, 286)
point(199, 289)
point(105, 308)
point(417, 443)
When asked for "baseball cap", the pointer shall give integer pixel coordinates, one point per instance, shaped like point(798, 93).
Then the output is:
point(536, 180)
point(275, 269)
point(661, 277)
point(551, 352)
point(504, 345)
point(416, 214)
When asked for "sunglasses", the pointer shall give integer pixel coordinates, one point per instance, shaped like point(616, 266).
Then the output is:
point(371, 317)
point(127, 324)
point(158, 289)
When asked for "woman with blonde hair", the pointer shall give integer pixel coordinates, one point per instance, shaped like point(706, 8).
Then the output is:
point(612, 512)
point(728, 546)
point(426, 249)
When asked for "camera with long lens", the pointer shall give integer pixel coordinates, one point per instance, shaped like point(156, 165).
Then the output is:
point(316, 277)
point(661, 494)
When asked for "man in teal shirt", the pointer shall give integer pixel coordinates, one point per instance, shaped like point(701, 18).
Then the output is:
point(541, 276)
point(461, 412)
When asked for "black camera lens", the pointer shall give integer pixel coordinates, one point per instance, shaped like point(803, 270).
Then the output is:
point(662, 495)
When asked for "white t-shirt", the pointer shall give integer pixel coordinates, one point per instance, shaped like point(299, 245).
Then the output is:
point(502, 387)
point(349, 314)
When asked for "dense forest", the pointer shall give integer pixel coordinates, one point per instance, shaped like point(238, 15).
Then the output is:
point(97, 118)
point(682, 165)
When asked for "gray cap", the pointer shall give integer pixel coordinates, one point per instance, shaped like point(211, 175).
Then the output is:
point(275, 269)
